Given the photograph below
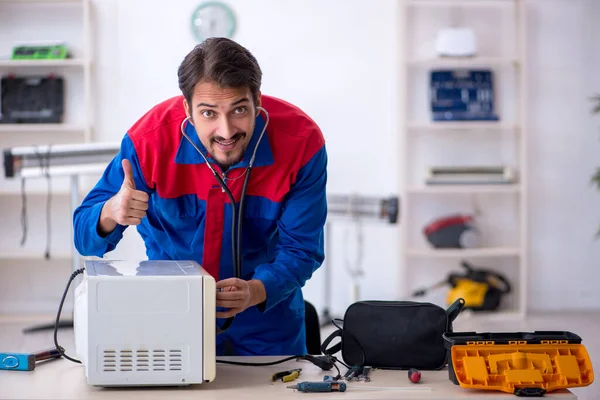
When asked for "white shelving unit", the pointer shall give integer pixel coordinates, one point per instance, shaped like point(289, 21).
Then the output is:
point(45, 128)
point(457, 126)
point(465, 253)
point(459, 63)
point(80, 61)
point(31, 21)
point(499, 26)
point(464, 189)
point(72, 62)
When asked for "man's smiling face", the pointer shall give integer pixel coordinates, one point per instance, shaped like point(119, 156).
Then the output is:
point(224, 119)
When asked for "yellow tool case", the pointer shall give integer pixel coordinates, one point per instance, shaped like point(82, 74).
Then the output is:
point(523, 363)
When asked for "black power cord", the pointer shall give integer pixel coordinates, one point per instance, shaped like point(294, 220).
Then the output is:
point(325, 362)
point(262, 364)
point(62, 301)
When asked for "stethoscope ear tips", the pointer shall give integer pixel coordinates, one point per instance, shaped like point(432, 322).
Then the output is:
point(258, 111)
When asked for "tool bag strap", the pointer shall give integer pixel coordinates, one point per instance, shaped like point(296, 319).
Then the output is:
point(336, 347)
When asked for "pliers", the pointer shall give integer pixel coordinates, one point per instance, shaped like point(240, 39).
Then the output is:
point(287, 376)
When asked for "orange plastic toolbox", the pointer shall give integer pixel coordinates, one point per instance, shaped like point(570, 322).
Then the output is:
point(523, 363)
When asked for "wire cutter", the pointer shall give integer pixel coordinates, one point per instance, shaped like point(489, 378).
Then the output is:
point(287, 376)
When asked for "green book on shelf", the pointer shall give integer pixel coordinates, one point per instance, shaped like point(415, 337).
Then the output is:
point(40, 52)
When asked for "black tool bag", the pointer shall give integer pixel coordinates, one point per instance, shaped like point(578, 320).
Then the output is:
point(394, 334)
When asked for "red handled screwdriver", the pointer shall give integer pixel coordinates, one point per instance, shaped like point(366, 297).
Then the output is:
point(414, 375)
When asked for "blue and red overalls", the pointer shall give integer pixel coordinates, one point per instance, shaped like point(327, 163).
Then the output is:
point(189, 215)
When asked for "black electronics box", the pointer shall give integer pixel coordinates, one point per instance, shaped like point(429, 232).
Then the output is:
point(32, 99)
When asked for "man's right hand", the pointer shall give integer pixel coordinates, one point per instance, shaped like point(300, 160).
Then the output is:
point(127, 207)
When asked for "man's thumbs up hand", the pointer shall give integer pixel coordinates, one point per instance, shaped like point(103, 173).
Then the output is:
point(127, 207)
point(128, 181)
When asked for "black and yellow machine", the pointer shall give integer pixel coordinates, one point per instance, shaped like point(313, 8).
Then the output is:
point(481, 289)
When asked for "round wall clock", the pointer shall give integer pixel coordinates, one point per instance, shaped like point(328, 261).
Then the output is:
point(213, 19)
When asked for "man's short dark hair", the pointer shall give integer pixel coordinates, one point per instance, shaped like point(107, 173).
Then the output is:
point(221, 61)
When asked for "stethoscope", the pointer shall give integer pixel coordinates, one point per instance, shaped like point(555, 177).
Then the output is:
point(236, 244)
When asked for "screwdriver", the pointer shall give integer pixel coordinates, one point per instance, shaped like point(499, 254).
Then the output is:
point(26, 361)
point(328, 386)
point(414, 375)
point(336, 386)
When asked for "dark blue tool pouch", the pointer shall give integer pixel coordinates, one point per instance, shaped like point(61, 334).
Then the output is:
point(394, 334)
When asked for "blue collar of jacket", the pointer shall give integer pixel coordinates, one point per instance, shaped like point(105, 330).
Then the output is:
point(187, 154)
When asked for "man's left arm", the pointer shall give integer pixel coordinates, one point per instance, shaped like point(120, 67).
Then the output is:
point(300, 250)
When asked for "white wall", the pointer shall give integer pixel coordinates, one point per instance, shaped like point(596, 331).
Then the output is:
point(337, 60)
point(563, 153)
